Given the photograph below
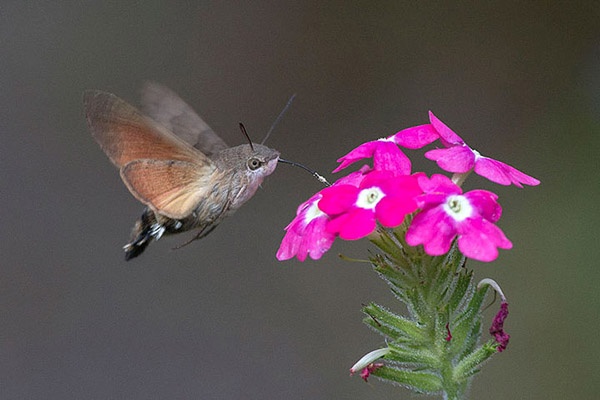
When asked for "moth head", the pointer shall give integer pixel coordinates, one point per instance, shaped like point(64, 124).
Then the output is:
point(255, 162)
point(244, 168)
point(262, 160)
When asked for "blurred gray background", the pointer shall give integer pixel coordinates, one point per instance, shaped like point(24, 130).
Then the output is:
point(222, 318)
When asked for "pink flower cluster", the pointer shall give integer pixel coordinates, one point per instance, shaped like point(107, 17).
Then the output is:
point(352, 207)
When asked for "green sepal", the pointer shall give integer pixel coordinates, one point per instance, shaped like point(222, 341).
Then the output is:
point(469, 365)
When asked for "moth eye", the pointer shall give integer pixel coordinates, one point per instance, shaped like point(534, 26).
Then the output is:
point(254, 164)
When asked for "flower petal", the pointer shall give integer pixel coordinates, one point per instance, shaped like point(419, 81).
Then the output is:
point(390, 211)
point(363, 151)
point(433, 229)
point(502, 174)
point(337, 199)
point(486, 204)
point(353, 178)
point(458, 159)
point(479, 239)
point(353, 225)
point(314, 241)
point(389, 157)
point(306, 234)
point(317, 240)
point(438, 184)
point(447, 135)
point(416, 137)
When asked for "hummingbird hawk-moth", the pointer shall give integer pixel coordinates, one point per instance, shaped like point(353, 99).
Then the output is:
point(173, 163)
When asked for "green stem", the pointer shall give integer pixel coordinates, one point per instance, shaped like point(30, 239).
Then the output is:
point(434, 349)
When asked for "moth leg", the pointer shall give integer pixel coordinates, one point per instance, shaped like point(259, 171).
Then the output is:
point(205, 231)
point(209, 227)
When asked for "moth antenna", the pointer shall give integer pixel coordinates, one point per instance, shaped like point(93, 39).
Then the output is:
point(274, 124)
point(314, 173)
point(243, 129)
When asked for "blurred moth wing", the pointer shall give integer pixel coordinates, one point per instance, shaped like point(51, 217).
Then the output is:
point(160, 169)
point(172, 188)
point(169, 110)
point(126, 135)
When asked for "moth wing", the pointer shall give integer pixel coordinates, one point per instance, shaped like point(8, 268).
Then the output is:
point(168, 109)
point(125, 134)
point(171, 188)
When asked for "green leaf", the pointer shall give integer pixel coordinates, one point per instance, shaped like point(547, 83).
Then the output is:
point(425, 382)
point(470, 364)
point(391, 324)
point(419, 356)
point(467, 324)
point(460, 290)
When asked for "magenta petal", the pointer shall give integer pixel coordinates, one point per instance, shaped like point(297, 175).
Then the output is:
point(479, 239)
point(431, 228)
point(437, 188)
point(317, 239)
point(299, 221)
point(447, 135)
point(416, 137)
point(390, 212)
point(486, 204)
point(337, 199)
point(354, 178)
point(501, 173)
point(311, 239)
point(289, 247)
point(293, 245)
point(353, 225)
point(438, 184)
point(306, 234)
point(492, 170)
point(406, 186)
point(379, 178)
point(459, 159)
point(388, 157)
point(363, 151)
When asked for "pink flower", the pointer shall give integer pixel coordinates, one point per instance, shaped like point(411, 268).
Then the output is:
point(386, 156)
point(447, 213)
point(306, 235)
point(460, 158)
point(382, 196)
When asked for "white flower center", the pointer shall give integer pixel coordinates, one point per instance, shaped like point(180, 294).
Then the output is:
point(312, 212)
point(477, 154)
point(368, 198)
point(458, 207)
